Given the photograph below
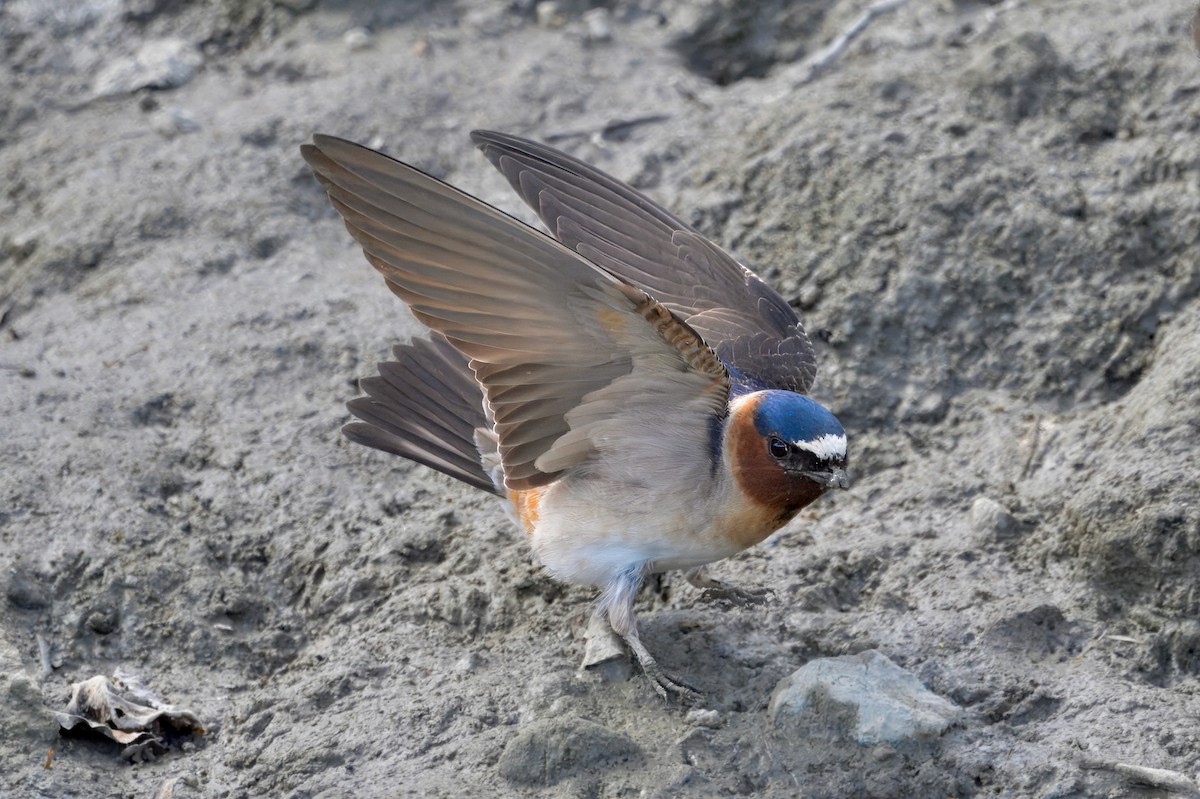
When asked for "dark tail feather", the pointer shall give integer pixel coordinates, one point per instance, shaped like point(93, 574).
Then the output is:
point(424, 406)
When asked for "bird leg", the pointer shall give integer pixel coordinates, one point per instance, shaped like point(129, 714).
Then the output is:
point(617, 601)
point(714, 590)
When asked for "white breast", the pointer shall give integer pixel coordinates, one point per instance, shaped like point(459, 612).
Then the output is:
point(590, 529)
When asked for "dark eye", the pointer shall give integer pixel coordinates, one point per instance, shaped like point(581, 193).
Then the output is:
point(778, 448)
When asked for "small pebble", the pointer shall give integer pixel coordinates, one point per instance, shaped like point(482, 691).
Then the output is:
point(550, 15)
point(357, 38)
point(597, 23)
point(991, 519)
point(702, 717)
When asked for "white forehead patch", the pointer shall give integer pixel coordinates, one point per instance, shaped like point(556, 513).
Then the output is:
point(828, 447)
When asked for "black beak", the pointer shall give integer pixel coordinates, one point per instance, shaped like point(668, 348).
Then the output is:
point(834, 478)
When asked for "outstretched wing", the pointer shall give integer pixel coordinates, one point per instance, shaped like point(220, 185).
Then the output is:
point(425, 406)
point(753, 330)
point(562, 349)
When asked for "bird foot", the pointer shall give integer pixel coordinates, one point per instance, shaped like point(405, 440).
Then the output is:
point(668, 687)
point(717, 591)
point(737, 597)
point(664, 684)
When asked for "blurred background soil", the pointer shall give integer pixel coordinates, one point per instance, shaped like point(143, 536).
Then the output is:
point(987, 214)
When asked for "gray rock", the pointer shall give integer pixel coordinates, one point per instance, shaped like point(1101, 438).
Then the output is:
point(992, 520)
point(598, 24)
point(158, 64)
point(547, 751)
point(357, 38)
point(865, 698)
point(550, 14)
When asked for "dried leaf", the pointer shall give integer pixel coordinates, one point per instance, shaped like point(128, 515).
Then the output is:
point(124, 710)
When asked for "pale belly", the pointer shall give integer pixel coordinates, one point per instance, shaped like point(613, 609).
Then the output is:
point(585, 537)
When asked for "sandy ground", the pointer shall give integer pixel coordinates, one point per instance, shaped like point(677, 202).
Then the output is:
point(988, 215)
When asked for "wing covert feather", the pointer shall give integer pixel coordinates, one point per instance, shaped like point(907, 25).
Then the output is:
point(555, 342)
point(752, 329)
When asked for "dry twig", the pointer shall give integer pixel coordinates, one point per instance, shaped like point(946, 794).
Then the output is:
point(821, 61)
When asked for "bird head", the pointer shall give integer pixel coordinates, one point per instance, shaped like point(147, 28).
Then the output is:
point(803, 437)
point(785, 449)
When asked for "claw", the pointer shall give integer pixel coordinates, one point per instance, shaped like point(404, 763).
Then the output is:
point(738, 597)
point(714, 590)
point(664, 684)
point(669, 688)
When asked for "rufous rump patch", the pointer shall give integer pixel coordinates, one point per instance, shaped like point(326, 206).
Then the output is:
point(525, 502)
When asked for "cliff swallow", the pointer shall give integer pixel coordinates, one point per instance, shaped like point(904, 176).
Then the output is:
point(636, 396)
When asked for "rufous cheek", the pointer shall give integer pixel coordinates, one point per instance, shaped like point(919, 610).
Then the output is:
point(758, 475)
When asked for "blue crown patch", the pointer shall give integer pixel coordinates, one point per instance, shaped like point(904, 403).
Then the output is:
point(794, 417)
